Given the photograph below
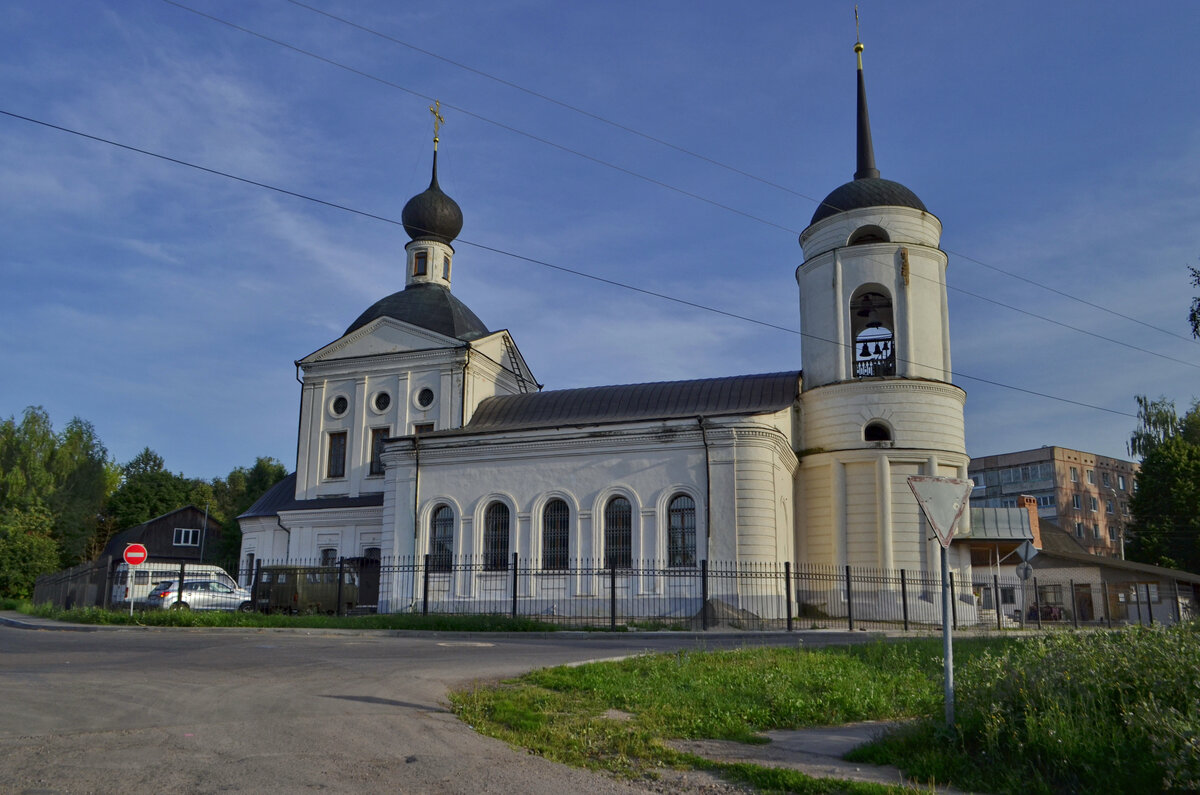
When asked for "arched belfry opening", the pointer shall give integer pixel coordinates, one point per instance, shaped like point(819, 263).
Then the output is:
point(870, 233)
point(872, 323)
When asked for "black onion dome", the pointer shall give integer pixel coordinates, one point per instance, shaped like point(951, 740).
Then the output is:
point(867, 192)
point(430, 306)
point(432, 215)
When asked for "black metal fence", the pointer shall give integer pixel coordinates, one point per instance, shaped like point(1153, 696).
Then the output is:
point(654, 595)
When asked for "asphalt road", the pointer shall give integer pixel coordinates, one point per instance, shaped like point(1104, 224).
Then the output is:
point(187, 711)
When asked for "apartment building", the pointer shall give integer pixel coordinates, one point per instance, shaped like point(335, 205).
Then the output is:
point(1085, 494)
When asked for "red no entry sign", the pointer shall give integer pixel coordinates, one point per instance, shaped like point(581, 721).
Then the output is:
point(135, 554)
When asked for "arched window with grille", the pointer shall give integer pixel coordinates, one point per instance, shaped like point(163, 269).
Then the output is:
point(618, 534)
point(681, 531)
point(441, 539)
point(495, 537)
point(556, 535)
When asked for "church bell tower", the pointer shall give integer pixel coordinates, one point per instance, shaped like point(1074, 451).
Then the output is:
point(878, 403)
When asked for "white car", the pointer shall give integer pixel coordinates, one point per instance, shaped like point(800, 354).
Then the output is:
point(200, 595)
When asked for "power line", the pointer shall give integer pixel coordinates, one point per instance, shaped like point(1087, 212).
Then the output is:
point(485, 119)
point(690, 153)
point(532, 260)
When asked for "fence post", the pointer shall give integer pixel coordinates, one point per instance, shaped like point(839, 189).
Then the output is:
point(108, 582)
point(612, 594)
point(178, 591)
point(1107, 608)
point(704, 594)
point(904, 598)
point(1037, 605)
point(849, 601)
point(787, 591)
point(996, 599)
point(255, 582)
point(1149, 605)
point(514, 586)
point(341, 576)
point(953, 601)
point(1074, 606)
point(425, 587)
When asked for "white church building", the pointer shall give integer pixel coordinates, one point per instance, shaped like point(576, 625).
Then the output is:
point(422, 432)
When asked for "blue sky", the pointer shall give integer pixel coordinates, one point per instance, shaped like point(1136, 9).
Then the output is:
point(1059, 143)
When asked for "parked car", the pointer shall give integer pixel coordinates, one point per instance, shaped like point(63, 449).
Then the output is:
point(200, 595)
point(138, 581)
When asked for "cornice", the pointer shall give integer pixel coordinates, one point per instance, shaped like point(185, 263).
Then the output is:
point(887, 384)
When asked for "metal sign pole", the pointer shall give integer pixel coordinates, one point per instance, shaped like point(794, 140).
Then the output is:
point(947, 642)
point(943, 501)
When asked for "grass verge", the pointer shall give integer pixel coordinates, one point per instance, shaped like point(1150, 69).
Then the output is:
point(192, 618)
point(616, 716)
point(1072, 712)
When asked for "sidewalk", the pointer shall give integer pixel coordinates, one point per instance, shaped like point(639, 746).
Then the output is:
point(813, 752)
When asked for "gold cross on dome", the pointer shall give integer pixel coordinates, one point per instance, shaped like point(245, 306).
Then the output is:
point(438, 120)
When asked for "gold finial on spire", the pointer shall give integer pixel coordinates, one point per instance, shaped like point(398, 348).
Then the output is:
point(858, 45)
point(438, 121)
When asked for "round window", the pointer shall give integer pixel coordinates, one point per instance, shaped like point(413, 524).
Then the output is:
point(339, 405)
point(382, 401)
point(425, 398)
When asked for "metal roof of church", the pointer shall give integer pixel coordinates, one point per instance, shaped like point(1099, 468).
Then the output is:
point(430, 306)
point(282, 497)
point(740, 394)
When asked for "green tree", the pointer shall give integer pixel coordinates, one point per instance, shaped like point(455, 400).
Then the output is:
point(26, 550)
point(69, 474)
point(233, 495)
point(1166, 505)
point(1194, 314)
point(147, 490)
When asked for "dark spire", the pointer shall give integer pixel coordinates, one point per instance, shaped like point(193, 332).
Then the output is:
point(866, 152)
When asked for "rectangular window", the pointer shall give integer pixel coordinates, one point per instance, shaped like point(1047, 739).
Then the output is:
point(422, 427)
point(1079, 529)
point(1095, 530)
point(446, 268)
point(1112, 532)
point(1091, 476)
point(1074, 475)
point(337, 455)
point(187, 537)
point(1076, 502)
point(1108, 506)
point(1105, 479)
point(377, 437)
point(420, 263)
point(1093, 504)
point(1121, 482)
point(328, 557)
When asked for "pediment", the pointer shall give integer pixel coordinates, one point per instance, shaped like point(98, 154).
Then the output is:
point(382, 335)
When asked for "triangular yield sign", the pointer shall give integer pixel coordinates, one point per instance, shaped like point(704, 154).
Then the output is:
point(942, 500)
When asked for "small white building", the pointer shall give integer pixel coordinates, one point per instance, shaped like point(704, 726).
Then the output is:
point(422, 432)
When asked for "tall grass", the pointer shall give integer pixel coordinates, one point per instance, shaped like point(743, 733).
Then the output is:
point(1097, 712)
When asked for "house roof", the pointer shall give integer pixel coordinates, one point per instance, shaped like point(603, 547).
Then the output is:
point(743, 394)
point(1060, 545)
point(999, 524)
point(282, 497)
